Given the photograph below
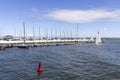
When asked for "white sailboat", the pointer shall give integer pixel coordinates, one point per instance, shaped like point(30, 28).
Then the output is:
point(98, 39)
point(23, 45)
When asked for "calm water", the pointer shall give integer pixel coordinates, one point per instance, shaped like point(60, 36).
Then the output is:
point(76, 62)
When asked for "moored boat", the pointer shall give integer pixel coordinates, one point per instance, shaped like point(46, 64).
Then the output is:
point(23, 46)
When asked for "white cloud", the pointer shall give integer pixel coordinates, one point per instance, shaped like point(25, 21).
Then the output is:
point(83, 16)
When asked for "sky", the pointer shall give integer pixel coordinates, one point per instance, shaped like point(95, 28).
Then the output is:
point(60, 17)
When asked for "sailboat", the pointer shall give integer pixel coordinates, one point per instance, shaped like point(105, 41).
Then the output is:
point(23, 45)
point(98, 39)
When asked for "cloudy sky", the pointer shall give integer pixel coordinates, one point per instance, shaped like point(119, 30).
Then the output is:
point(60, 16)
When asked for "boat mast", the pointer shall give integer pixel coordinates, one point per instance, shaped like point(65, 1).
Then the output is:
point(56, 34)
point(46, 36)
point(39, 33)
point(0, 34)
point(77, 31)
point(60, 33)
point(64, 34)
point(33, 35)
point(51, 33)
point(24, 31)
point(67, 35)
point(71, 34)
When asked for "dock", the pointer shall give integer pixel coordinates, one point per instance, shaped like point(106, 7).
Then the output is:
point(44, 42)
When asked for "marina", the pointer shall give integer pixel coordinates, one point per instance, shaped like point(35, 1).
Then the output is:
point(60, 40)
point(22, 42)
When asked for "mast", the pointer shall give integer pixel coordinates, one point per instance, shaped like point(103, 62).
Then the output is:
point(15, 33)
point(64, 33)
point(71, 34)
point(0, 34)
point(60, 33)
point(51, 34)
point(77, 31)
point(67, 35)
point(56, 33)
point(39, 34)
point(46, 34)
point(77, 34)
point(24, 31)
point(33, 35)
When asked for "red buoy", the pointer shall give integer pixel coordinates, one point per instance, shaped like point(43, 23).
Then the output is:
point(40, 67)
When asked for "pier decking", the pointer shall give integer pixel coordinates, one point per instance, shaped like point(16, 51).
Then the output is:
point(29, 42)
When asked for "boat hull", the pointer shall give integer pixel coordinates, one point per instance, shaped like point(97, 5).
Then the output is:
point(23, 47)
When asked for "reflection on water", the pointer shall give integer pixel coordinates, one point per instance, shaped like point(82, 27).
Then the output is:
point(39, 74)
point(76, 62)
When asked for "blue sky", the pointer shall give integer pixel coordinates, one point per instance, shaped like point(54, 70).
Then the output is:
point(61, 15)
